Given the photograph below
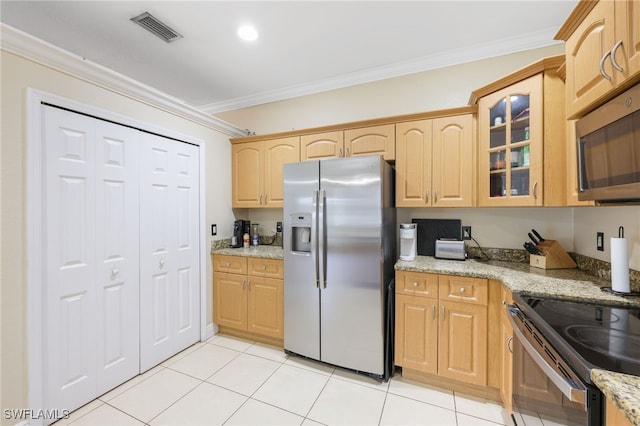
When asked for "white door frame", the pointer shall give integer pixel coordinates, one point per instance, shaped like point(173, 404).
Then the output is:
point(36, 232)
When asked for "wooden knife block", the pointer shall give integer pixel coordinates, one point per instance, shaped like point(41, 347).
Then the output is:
point(553, 257)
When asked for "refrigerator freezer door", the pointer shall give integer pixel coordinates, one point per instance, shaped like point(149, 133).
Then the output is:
point(352, 304)
point(301, 293)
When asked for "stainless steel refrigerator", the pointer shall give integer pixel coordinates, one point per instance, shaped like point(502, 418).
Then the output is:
point(339, 251)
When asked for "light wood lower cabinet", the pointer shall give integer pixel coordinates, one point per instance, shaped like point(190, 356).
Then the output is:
point(444, 336)
point(506, 352)
point(248, 295)
point(614, 416)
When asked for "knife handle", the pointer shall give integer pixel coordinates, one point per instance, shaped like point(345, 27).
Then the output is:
point(540, 239)
point(532, 238)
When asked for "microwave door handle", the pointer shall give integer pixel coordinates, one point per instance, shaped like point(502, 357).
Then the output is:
point(573, 393)
point(580, 165)
point(314, 239)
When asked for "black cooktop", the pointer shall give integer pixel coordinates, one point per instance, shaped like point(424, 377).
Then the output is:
point(588, 335)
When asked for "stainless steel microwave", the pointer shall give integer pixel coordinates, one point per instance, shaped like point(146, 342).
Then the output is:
point(609, 150)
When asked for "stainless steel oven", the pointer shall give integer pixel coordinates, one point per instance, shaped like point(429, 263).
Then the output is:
point(556, 344)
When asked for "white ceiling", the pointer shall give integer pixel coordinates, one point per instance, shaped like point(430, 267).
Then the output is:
point(304, 46)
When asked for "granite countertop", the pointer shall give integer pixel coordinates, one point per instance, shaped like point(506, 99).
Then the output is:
point(263, 251)
point(522, 278)
point(622, 389)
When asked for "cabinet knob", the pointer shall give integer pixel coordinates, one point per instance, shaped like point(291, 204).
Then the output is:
point(228, 264)
point(415, 283)
point(264, 267)
point(461, 289)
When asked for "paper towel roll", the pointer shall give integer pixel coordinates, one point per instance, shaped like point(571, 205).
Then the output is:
point(619, 265)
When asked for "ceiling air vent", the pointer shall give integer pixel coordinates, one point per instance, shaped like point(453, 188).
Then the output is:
point(160, 29)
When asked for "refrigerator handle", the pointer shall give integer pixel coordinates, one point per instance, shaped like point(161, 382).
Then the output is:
point(322, 239)
point(314, 239)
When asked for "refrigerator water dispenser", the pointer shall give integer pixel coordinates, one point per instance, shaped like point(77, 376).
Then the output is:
point(301, 232)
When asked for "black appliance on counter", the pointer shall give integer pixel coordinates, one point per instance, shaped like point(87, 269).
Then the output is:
point(429, 230)
point(240, 227)
point(556, 343)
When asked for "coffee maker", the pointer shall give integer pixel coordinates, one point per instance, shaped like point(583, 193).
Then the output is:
point(240, 227)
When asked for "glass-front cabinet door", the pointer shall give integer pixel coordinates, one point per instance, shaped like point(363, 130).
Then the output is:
point(510, 162)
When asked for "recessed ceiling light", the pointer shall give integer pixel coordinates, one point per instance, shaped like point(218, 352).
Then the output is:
point(248, 33)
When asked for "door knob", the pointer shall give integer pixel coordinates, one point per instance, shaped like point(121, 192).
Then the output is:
point(161, 263)
point(114, 272)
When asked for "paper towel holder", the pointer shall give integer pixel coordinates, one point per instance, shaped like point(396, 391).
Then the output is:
point(611, 290)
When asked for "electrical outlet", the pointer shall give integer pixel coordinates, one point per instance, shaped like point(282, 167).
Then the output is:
point(278, 226)
point(466, 232)
point(600, 241)
point(214, 230)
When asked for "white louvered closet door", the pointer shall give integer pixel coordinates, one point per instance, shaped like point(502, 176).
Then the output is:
point(169, 260)
point(91, 280)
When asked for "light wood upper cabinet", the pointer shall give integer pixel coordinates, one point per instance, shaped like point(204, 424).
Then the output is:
point(277, 153)
point(453, 162)
point(375, 140)
point(257, 171)
point(602, 52)
point(413, 163)
point(247, 174)
point(435, 162)
point(510, 146)
point(322, 145)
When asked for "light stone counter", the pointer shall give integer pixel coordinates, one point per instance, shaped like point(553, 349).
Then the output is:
point(622, 389)
point(522, 278)
point(264, 251)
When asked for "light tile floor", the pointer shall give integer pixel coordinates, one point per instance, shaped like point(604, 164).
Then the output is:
point(228, 381)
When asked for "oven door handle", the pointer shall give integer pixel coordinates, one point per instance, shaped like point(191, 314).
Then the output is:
point(573, 393)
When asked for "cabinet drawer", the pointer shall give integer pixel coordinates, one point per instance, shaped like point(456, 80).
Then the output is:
point(230, 264)
point(417, 284)
point(270, 268)
point(463, 289)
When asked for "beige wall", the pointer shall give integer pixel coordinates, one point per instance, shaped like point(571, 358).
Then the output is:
point(19, 74)
point(438, 89)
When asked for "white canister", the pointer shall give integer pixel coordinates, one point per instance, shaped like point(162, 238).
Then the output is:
point(408, 241)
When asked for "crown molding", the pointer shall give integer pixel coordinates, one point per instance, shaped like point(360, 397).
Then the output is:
point(534, 40)
point(34, 49)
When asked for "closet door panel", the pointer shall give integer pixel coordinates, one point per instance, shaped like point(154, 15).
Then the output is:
point(169, 242)
point(187, 263)
point(69, 291)
point(157, 242)
point(117, 254)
